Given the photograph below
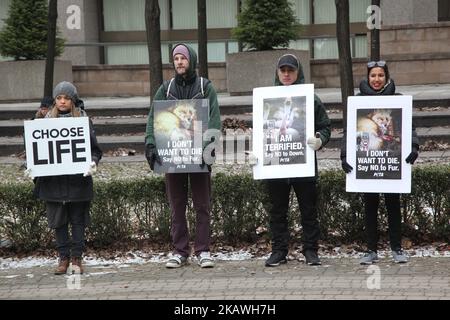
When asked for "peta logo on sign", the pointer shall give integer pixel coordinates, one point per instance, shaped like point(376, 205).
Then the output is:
point(57, 146)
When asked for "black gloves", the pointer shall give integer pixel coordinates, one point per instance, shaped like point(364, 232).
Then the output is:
point(413, 155)
point(152, 155)
point(345, 166)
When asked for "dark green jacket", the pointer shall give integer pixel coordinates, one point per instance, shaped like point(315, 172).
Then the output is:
point(184, 88)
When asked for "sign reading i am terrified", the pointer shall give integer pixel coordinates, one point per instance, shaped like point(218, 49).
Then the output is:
point(57, 146)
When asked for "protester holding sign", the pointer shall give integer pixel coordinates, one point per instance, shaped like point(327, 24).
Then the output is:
point(68, 197)
point(289, 72)
point(187, 85)
point(379, 83)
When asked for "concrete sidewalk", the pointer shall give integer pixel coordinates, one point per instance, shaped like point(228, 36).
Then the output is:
point(338, 278)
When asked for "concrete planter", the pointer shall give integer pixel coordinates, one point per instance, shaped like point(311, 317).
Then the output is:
point(251, 69)
point(24, 80)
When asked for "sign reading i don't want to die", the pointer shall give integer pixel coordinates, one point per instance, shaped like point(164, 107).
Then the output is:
point(57, 146)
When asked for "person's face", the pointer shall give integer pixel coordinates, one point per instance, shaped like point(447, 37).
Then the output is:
point(377, 78)
point(181, 64)
point(43, 110)
point(287, 75)
point(63, 103)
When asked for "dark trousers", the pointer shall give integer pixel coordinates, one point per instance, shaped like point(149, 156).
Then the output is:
point(76, 217)
point(371, 203)
point(279, 191)
point(177, 192)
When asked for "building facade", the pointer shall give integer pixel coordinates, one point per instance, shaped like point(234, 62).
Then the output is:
point(108, 36)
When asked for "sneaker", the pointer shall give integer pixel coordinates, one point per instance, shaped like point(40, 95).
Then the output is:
point(176, 261)
point(369, 257)
point(276, 258)
point(312, 258)
point(205, 260)
point(399, 256)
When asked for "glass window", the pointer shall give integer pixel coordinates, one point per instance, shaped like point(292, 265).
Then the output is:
point(358, 10)
point(132, 54)
point(302, 10)
point(443, 10)
point(184, 14)
point(302, 44)
point(360, 46)
point(221, 13)
point(324, 11)
point(325, 48)
point(123, 15)
point(233, 47)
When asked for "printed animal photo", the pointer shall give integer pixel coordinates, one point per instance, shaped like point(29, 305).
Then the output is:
point(285, 116)
point(378, 129)
point(177, 122)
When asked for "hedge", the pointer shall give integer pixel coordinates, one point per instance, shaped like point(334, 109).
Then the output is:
point(131, 210)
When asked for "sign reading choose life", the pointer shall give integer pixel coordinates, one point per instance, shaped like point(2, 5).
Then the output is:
point(57, 146)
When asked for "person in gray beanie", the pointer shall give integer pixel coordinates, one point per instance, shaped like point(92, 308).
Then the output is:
point(67, 89)
point(68, 197)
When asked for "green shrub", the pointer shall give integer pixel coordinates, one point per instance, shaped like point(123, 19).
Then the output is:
point(22, 218)
point(266, 24)
point(125, 211)
point(24, 35)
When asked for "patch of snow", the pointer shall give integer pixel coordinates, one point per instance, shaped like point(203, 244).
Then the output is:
point(233, 256)
point(137, 257)
point(100, 273)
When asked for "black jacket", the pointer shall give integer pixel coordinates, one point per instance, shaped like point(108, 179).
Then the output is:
point(366, 90)
point(69, 188)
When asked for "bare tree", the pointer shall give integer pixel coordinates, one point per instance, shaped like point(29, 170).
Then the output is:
point(202, 39)
point(51, 50)
point(153, 28)
point(345, 57)
point(375, 37)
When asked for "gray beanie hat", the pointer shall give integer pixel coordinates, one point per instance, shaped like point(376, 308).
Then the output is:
point(67, 89)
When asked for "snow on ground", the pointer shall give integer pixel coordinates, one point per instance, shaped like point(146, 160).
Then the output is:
point(138, 257)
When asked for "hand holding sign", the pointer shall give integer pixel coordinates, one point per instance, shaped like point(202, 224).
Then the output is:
point(92, 169)
point(315, 142)
point(27, 174)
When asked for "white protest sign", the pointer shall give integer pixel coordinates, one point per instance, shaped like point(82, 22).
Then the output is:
point(57, 146)
point(283, 119)
point(378, 141)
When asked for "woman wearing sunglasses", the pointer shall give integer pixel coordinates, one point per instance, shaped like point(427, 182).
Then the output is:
point(378, 82)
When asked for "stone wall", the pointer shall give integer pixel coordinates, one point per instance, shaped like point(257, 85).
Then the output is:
point(416, 54)
point(24, 80)
point(130, 80)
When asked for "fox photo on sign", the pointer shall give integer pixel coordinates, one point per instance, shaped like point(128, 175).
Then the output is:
point(57, 146)
point(378, 140)
point(283, 117)
point(179, 126)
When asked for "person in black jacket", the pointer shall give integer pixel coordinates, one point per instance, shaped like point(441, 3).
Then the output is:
point(378, 82)
point(289, 72)
point(68, 197)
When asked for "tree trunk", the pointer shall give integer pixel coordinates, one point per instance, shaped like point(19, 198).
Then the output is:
point(375, 38)
point(51, 43)
point(202, 39)
point(153, 29)
point(345, 58)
